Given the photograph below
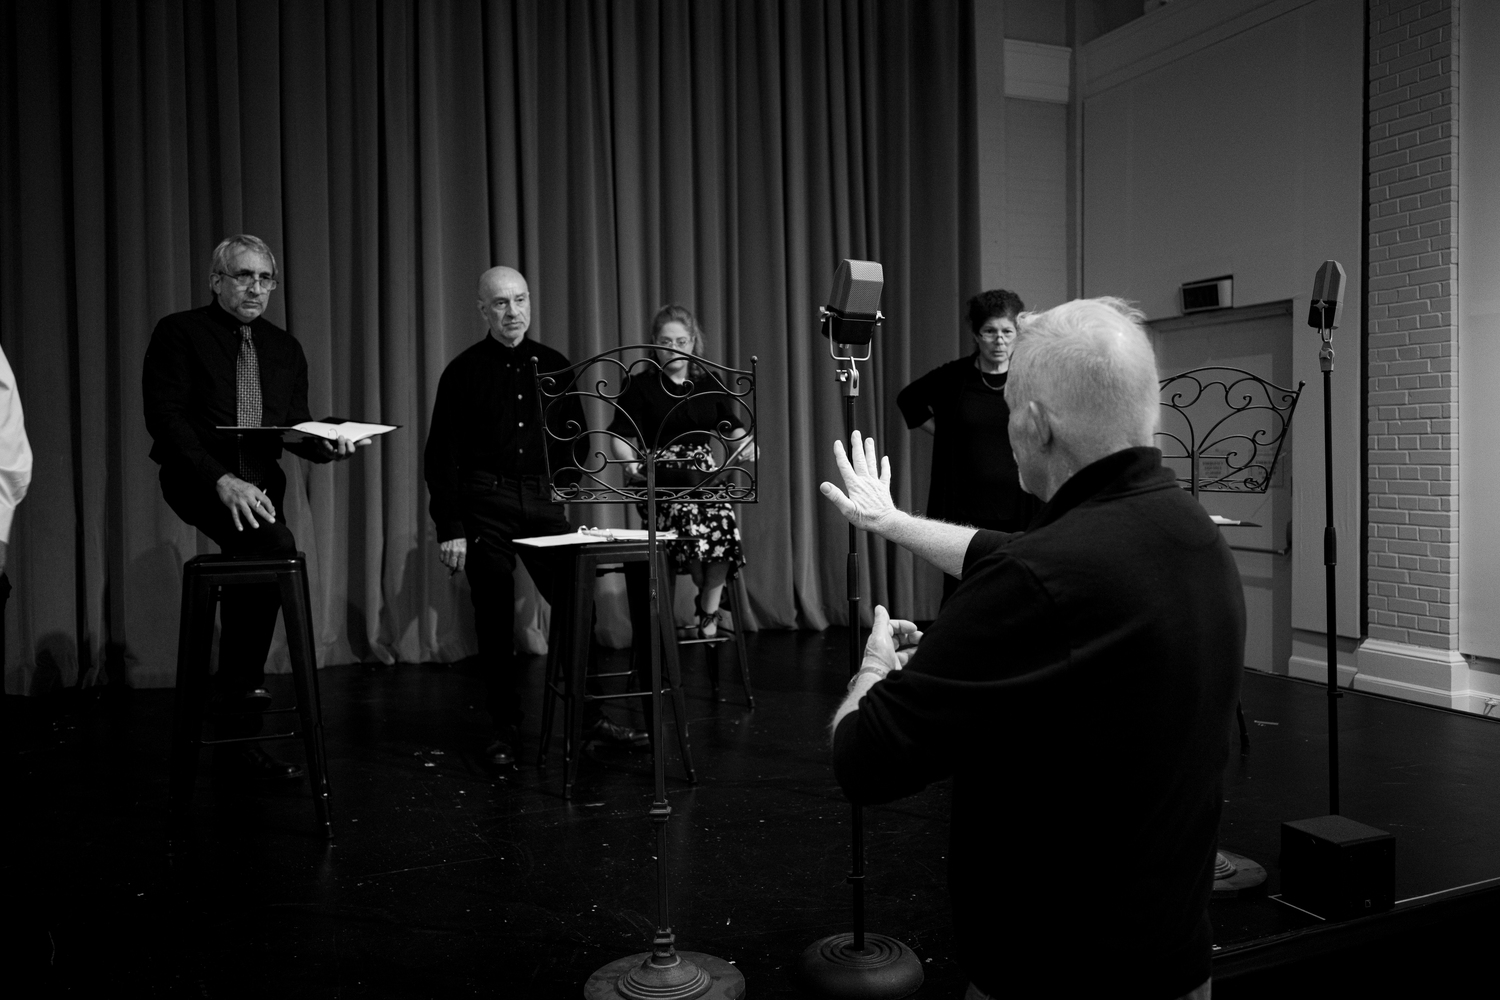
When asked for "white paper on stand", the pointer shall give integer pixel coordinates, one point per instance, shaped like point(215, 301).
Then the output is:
point(350, 429)
point(592, 536)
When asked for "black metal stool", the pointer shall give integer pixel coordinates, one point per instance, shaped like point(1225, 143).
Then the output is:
point(734, 600)
point(572, 639)
point(202, 581)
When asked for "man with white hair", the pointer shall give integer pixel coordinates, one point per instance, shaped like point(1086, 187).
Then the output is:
point(1078, 687)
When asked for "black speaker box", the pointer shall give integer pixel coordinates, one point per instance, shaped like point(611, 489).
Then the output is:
point(1336, 867)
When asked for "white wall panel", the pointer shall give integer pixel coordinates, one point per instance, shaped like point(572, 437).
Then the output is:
point(1228, 138)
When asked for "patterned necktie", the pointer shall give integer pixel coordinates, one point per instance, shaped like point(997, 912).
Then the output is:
point(247, 404)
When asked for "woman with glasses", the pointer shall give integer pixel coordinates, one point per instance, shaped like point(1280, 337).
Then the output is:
point(962, 405)
point(682, 409)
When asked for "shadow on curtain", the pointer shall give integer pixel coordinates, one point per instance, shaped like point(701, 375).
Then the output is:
point(721, 155)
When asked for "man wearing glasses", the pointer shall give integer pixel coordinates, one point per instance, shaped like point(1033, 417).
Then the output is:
point(224, 365)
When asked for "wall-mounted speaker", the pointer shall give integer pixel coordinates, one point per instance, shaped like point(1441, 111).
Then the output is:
point(1210, 293)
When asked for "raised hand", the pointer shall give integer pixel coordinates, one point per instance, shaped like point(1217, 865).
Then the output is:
point(865, 499)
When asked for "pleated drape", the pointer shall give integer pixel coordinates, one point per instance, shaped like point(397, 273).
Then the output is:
point(621, 155)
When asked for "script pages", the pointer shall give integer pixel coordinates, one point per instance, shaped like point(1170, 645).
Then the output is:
point(330, 429)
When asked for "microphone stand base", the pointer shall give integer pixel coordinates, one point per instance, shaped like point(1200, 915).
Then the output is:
point(725, 982)
point(886, 968)
point(1236, 875)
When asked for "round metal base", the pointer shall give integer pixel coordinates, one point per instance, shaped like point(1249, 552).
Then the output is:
point(1244, 876)
point(724, 981)
point(886, 968)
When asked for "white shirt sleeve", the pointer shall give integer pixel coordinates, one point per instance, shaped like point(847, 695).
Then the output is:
point(15, 450)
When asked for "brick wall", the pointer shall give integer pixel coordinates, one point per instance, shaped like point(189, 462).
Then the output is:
point(1413, 342)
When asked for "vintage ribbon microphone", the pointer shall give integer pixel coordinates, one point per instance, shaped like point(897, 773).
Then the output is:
point(856, 964)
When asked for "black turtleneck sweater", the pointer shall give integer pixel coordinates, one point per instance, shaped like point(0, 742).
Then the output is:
point(485, 419)
point(1079, 688)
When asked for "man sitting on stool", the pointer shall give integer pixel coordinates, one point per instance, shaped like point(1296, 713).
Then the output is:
point(1079, 685)
point(224, 365)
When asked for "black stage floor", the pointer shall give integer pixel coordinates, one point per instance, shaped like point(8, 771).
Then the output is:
point(447, 879)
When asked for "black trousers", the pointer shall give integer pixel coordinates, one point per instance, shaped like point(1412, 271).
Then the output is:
point(496, 511)
point(247, 613)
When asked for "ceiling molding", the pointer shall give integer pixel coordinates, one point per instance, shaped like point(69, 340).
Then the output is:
point(1037, 72)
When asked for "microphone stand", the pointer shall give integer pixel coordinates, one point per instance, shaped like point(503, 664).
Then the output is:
point(1330, 553)
point(856, 964)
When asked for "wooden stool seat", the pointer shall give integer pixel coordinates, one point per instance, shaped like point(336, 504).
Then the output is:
point(203, 580)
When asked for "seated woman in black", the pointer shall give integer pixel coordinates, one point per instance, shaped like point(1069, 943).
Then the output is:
point(708, 539)
point(962, 405)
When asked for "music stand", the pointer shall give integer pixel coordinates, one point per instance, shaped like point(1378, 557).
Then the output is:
point(663, 973)
point(1243, 421)
point(1238, 448)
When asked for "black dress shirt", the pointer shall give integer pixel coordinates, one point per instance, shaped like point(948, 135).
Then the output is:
point(485, 419)
point(1079, 687)
point(188, 382)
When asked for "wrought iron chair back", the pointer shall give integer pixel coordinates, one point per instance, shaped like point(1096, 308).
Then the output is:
point(599, 383)
point(1224, 429)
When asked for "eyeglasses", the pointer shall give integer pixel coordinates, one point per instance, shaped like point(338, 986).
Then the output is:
point(990, 336)
point(680, 344)
point(247, 279)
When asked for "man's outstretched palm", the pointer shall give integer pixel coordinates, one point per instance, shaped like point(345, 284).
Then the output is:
point(865, 499)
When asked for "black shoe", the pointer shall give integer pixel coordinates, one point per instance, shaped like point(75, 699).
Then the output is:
point(606, 731)
point(708, 621)
point(505, 750)
point(251, 763)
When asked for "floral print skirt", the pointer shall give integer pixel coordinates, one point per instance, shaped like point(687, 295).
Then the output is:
point(706, 532)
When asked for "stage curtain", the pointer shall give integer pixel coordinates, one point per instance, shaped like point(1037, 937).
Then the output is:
point(621, 155)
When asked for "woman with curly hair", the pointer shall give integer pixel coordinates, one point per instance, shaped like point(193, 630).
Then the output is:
point(962, 405)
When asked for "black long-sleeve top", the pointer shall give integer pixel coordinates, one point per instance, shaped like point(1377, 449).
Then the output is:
point(656, 411)
point(1079, 687)
point(188, 384)
point(485, 419)
point(974, 478)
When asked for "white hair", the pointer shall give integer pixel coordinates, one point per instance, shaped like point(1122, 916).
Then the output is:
point(1090, 363)
point(219, 264)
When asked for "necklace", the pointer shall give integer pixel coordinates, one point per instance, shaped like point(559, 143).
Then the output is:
point(983, 377)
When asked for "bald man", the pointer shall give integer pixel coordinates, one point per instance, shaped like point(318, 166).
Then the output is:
point(487, 479)
point(1078, 686)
